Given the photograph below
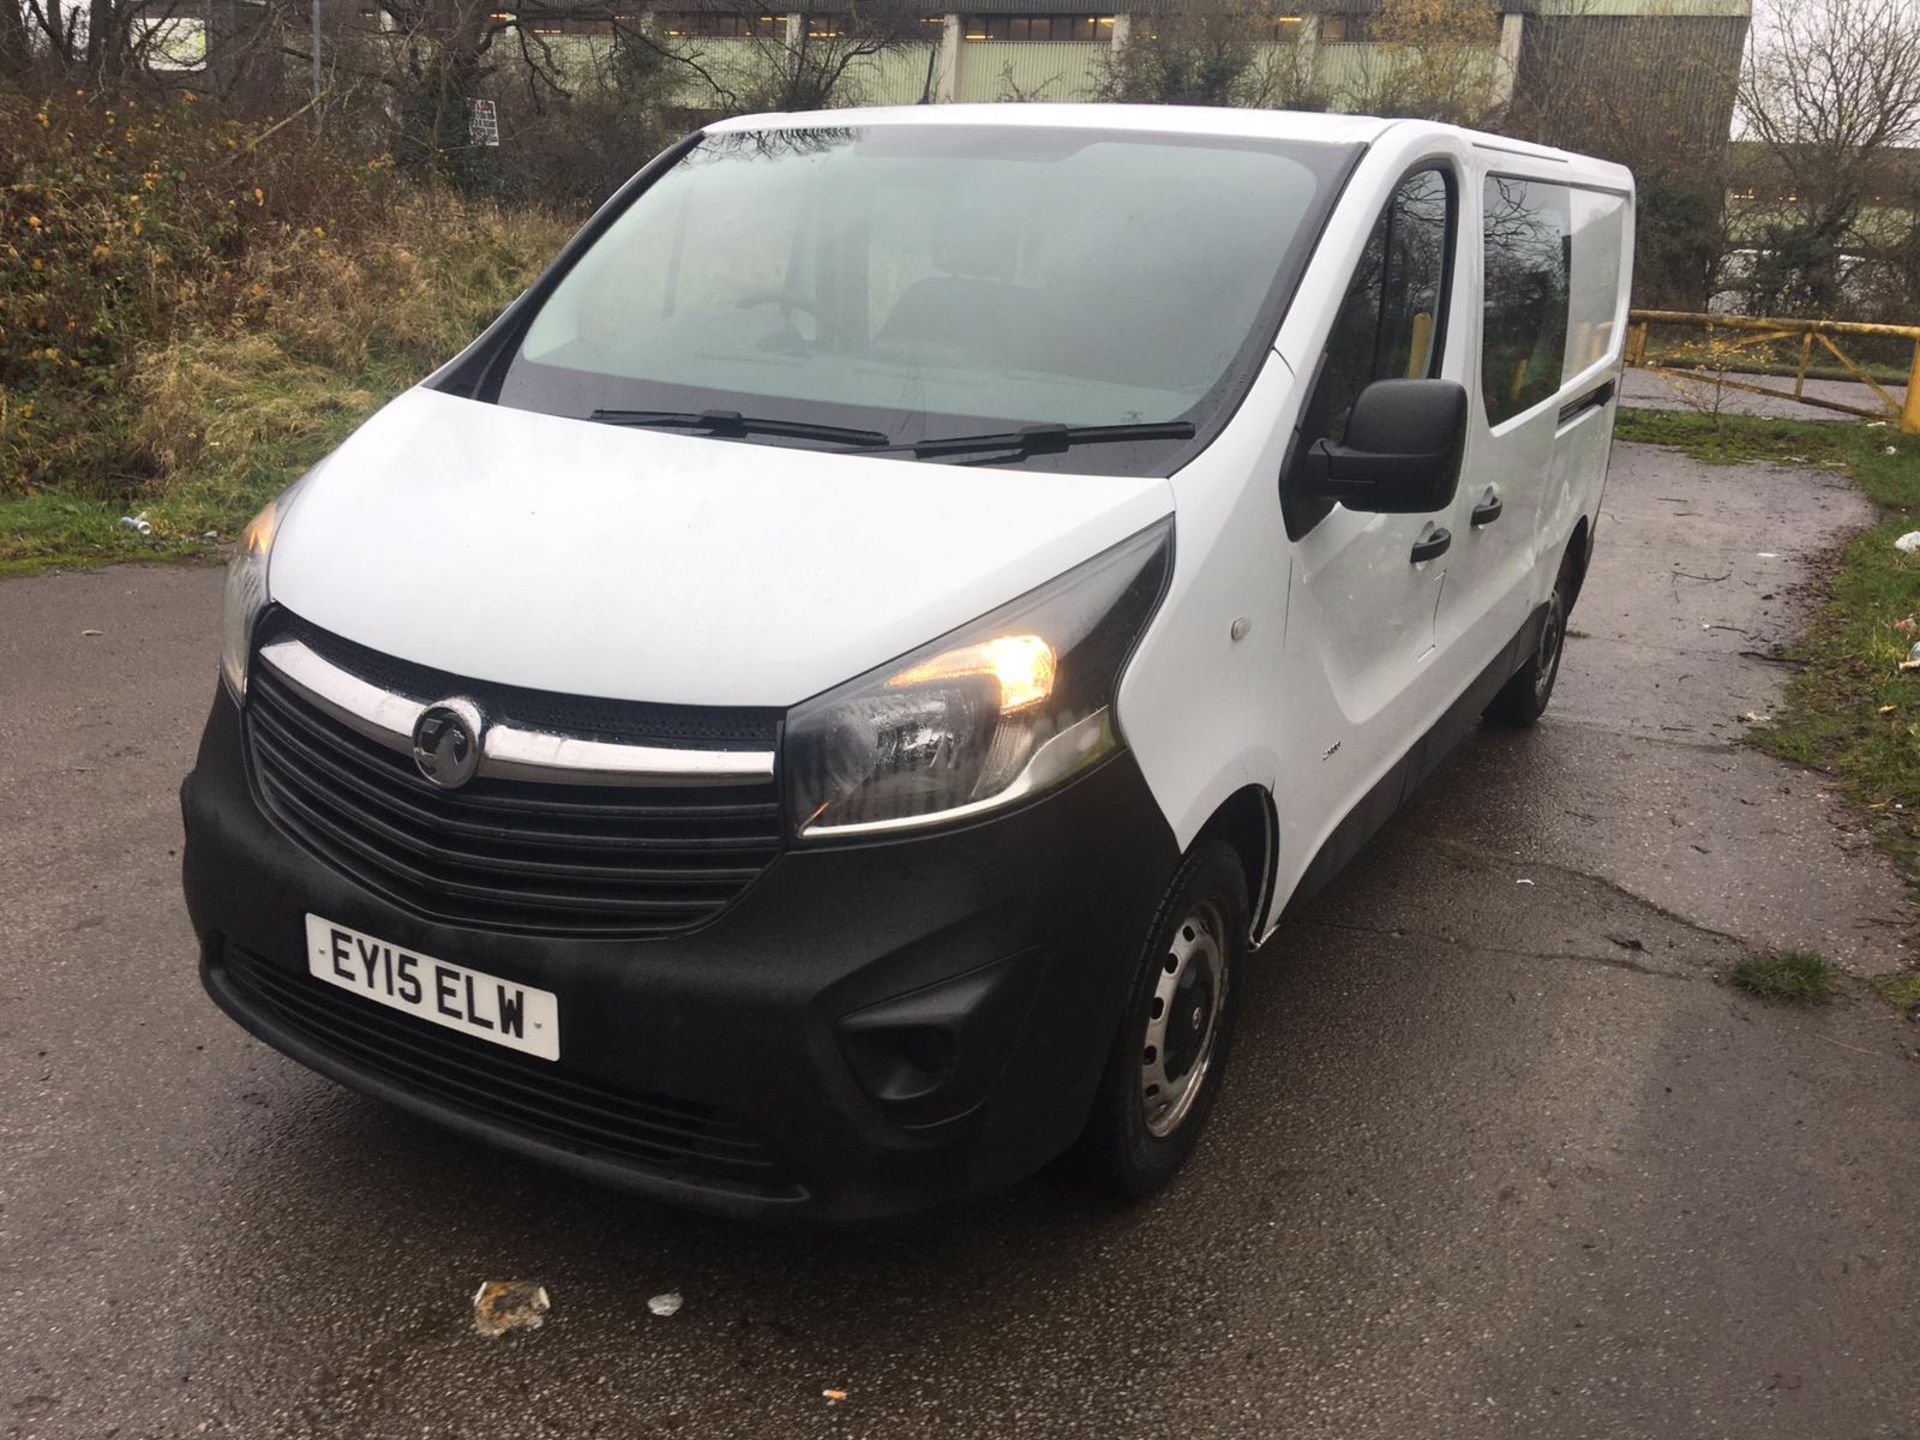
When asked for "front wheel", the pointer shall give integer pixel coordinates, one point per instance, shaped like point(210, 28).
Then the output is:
point(1524, 698)
point(1165, 1067)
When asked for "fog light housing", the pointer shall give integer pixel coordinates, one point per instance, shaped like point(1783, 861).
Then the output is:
point(932, 1055)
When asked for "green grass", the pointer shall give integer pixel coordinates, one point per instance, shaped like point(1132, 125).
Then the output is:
point(1797, 977)
point(46, 531)
point(1902, 990)
point(257, 417)
point(1740, 439)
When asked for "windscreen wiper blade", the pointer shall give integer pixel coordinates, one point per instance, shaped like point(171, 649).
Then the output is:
point(1041, 439)
point(731, 423)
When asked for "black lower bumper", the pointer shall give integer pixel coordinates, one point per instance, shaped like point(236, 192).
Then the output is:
point(869, 1030)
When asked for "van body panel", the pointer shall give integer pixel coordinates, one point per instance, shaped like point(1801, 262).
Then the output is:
point(525, 549)
point(1193, 698)
point(1356, 703)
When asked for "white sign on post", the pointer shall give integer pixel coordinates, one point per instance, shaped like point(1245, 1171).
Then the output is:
point(483, 126)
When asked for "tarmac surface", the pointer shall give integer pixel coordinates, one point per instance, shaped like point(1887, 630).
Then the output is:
point(1501, 1154)
point(1649, 391)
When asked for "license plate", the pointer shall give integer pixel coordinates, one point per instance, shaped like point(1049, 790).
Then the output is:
point(470, 1001)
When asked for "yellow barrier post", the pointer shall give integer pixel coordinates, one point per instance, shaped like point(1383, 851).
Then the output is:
point(1910, 412)
point(1764, 330)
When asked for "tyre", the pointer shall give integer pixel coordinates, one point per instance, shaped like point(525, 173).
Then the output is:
point(1524, 698)
point(1165, 1067)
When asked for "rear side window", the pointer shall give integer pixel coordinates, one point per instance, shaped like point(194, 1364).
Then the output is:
point(1528, 234)
point(1599, 234)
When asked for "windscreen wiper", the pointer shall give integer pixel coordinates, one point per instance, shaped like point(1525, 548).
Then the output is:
point(1040, 439)
point(731, 423)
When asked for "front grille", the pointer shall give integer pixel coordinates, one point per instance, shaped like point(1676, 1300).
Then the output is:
point(533, 1098)
point(506, 854)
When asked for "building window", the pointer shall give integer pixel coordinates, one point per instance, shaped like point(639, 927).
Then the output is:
point(1338, 29)
point(718, 25)
point(1039, 27)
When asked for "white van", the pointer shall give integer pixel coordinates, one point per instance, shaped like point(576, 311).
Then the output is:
point(809, 714)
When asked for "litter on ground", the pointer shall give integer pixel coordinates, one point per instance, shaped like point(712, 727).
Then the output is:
point(503, 1305)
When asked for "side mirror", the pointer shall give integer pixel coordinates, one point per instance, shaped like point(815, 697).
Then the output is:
point(1402, 451)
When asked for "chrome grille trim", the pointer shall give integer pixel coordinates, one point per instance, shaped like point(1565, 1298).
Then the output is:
point(508, 751)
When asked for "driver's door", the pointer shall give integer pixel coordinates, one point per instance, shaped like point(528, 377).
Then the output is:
point(1364, 587)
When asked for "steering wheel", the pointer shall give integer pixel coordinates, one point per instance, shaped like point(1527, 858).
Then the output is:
point(783, 297)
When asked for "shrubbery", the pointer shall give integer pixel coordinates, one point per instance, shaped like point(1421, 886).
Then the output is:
point(192, 308)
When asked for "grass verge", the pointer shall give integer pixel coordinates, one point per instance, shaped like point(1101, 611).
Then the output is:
point(1796, 977)
point(191, 314)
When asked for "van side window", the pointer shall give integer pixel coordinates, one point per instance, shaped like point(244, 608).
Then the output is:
point(1390, 324)
point(1599, 235)
point(1528, 233)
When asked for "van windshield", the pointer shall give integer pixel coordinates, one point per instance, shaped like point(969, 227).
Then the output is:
point(924, 282)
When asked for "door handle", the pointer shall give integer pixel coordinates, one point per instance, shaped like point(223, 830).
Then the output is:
point(1431, 546)
point(1487, 511)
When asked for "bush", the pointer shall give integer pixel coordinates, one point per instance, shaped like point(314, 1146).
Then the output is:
point(192, 309)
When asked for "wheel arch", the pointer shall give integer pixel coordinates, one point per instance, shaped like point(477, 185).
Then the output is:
point(1578, 555)
point(1247, 821)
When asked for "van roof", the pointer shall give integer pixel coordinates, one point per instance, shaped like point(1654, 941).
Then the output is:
point(1166, 119)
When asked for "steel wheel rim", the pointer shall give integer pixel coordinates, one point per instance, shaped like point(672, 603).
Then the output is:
point(1183, 1021)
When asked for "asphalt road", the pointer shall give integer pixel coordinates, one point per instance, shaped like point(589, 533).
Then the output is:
point(1501, 1155)
point(1650, 391)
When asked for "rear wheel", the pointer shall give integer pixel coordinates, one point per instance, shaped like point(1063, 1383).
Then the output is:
point(1524, 698)
point(1165, 1067)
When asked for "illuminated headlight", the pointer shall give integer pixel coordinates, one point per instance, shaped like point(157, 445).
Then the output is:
point(997, 711)
point(246, 595)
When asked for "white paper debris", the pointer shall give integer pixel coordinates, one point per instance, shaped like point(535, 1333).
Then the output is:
point(667, 1304)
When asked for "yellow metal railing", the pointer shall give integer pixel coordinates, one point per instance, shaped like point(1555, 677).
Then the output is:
point(1748, 332)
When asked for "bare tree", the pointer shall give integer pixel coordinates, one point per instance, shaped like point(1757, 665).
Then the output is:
point(808, 57)
point(1655, 92)
point(1433, 59)
point(1832, 93)
point(16, 47)
point(1210, 52)
point(107, 44)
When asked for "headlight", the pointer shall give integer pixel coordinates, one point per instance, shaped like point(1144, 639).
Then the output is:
point(246, 596)
point(994, 712)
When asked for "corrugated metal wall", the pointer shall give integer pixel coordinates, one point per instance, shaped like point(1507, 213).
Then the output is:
point(1682, 68)
point(1034, 70)
point(896, 78)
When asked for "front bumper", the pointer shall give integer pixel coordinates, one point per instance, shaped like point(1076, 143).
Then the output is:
point(880, 1027)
